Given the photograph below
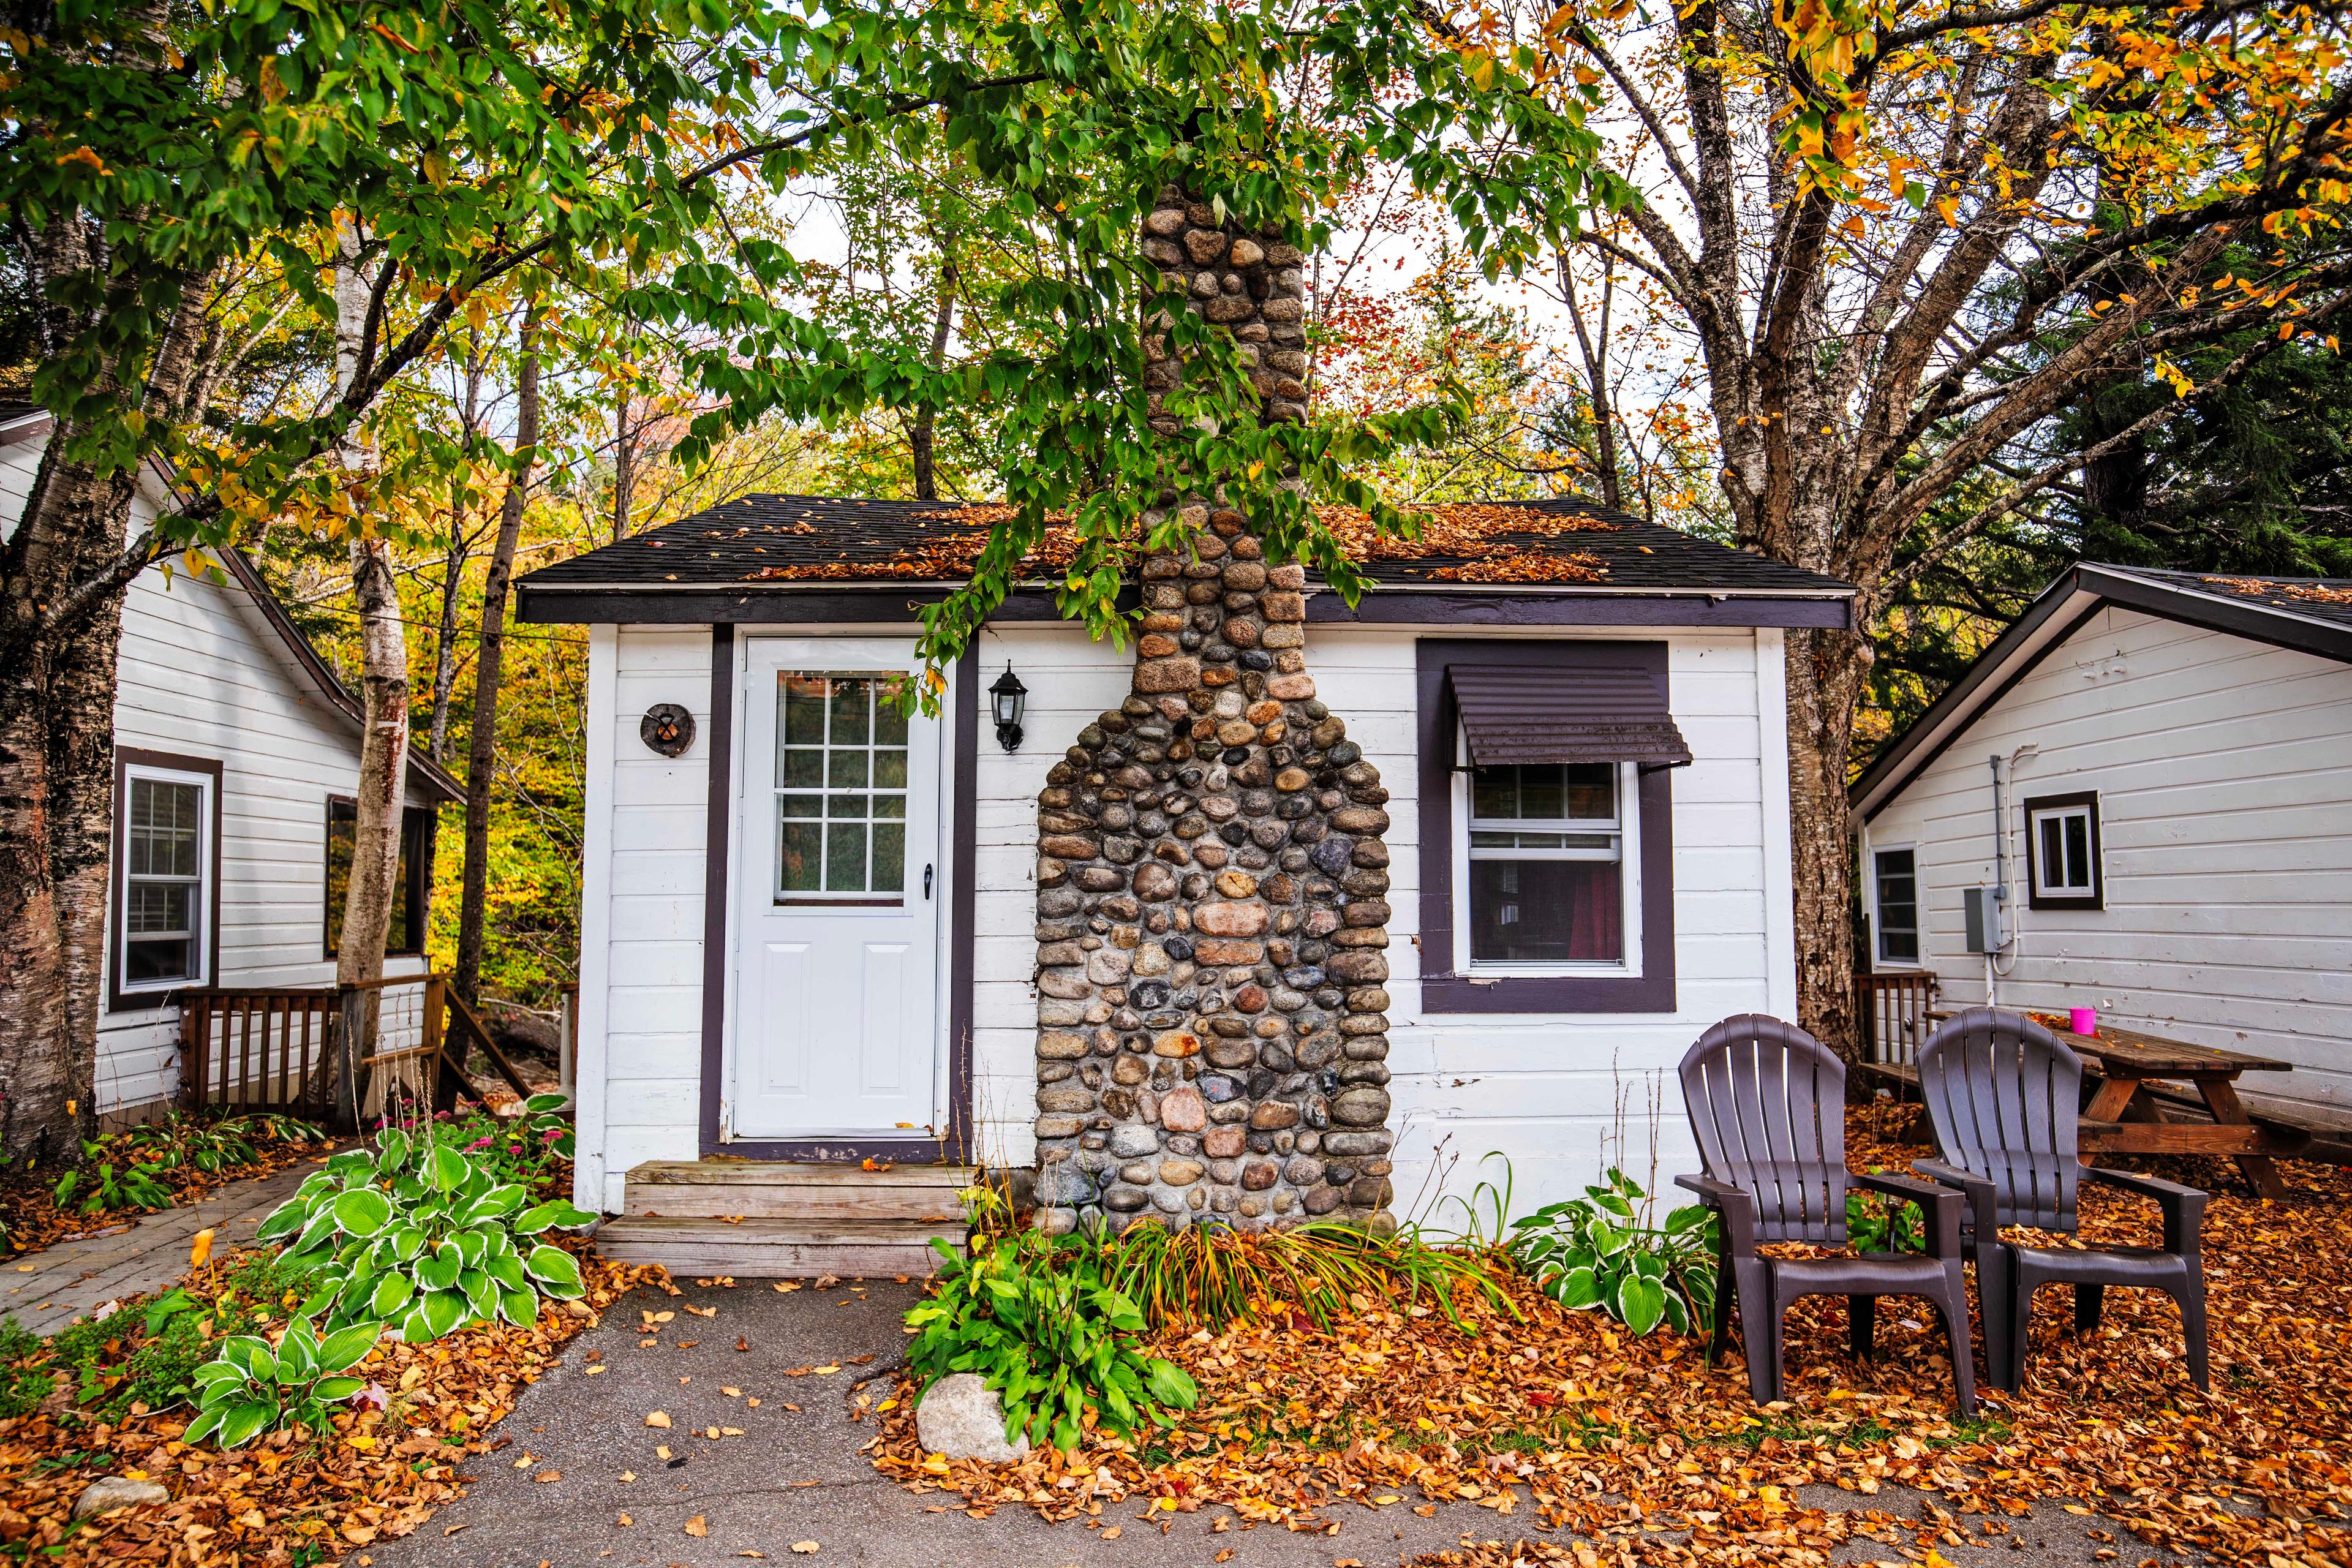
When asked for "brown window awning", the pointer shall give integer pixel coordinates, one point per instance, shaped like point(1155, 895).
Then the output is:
point(1512, 714)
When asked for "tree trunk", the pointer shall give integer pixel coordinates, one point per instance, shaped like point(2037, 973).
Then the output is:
point(920, 438)
point(445, 639)
point(1825, 675)
point(383, 744)
point(489, 671)
point(624, 467)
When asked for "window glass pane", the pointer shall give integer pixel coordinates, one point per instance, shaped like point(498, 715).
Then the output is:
point(1896, 871)
point(163, 834)
point(804, 708)
point(853, 703)
point(159, 909)
point(889, 719)
point(889, 769)
point(2053, 852)
point(148, 960)
point(801, 804)
point(801, 867)
point(847, 769)
point(1547, 911)
point(401, 935)
point(1592, 792)
point(844, 857)
point(1582, 792)
point(803, 769)
point(846, 808)
point(2078, 850)
point(889, 857)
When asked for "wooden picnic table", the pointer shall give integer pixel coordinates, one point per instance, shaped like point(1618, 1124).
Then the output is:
point(2128, 1114)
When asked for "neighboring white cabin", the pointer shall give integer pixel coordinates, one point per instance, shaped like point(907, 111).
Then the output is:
point(668, 1071)
point(2176, 822)
point(231, 742)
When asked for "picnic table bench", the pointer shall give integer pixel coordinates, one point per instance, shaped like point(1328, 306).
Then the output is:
point(2131, 1111)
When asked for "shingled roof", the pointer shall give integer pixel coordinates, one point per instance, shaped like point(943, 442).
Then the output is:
point(770, 544)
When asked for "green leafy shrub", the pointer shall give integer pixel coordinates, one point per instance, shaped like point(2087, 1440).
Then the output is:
point(24, 1376)
point(530, 1148)
point(417, 1233)
point(1043, 1328)
point(1876, 1223)
point(94, 1189)
point(253, 1386)
point(1599, 1251)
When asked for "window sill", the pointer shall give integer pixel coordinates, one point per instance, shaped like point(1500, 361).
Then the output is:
point(1584, 993)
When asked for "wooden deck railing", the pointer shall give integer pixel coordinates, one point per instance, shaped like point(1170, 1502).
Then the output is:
point(1891, 1011)
point(267, 1048)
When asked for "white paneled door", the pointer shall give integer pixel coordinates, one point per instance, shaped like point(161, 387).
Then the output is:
point(838, 893)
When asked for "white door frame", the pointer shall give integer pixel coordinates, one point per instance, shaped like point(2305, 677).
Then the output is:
point(746, 855)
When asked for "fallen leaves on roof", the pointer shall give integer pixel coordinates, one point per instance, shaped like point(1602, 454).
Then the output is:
point(1496, 543)
point(2263, 587)
point(1563, 1422)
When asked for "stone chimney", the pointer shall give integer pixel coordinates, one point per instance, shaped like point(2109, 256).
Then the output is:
point(1212, 883)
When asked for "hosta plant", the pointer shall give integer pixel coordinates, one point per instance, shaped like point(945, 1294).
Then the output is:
point(1599, 1251)
point(1041, 1328)
point(253, 1386)
point(415, 1234)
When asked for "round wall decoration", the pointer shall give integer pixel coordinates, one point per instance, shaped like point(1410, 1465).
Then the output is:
point(666, 729)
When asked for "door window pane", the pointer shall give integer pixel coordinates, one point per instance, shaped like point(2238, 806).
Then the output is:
point(841, 775)
point(405, 932)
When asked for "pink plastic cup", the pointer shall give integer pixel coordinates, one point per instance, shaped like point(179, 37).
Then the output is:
point(2084, 1021)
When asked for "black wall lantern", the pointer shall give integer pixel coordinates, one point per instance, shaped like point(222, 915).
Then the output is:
point(1009, 695)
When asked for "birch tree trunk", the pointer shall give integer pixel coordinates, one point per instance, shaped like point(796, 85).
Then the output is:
point(383, 739)
point(57, 725)
point(489, 672)
point(921, 438)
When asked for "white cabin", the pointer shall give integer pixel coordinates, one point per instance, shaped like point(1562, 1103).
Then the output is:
point(717, 1025)
point(234, 744)
point(2157, 766)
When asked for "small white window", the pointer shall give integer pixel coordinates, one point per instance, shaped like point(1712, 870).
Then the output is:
point(167, 869)
point(2063, 852)
point(1546, 856)
point(1894, 898)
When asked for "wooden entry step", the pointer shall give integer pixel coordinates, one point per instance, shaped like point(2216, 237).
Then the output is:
point(772, 1220)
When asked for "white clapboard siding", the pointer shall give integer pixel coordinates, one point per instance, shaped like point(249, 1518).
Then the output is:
point(203, 675)
point(1556, 1095)
point(2224, 772)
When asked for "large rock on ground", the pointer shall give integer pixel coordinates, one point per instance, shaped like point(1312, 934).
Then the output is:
point(115, 1491)
point(960, 1418)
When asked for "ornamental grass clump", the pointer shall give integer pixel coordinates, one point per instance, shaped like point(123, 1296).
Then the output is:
point(1212, 1277)
point(415, 1234)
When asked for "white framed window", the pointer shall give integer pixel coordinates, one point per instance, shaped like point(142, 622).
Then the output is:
point(1547, 863)
point(2062, 855)
point(168, 864)
point(1895, 905)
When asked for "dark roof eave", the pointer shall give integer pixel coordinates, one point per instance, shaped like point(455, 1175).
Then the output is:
point(864, 599)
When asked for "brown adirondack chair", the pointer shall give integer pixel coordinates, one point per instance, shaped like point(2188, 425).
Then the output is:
point(2005, 1095)
point(1767, 1103)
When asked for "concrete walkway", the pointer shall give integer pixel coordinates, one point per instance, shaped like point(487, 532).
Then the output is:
point(580, 1457)
point(47, 1289)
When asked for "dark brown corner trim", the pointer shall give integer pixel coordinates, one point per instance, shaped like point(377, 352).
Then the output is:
point(956, 1146)
point(125, 758)
point(2034, 897)
point(1442, 989)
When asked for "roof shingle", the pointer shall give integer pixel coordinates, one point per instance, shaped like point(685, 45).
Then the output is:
point(781, 542)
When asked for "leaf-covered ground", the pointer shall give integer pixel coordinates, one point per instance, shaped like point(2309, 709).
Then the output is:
point(1634, 1452)
point(31, 1219)
point(290, 1498)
